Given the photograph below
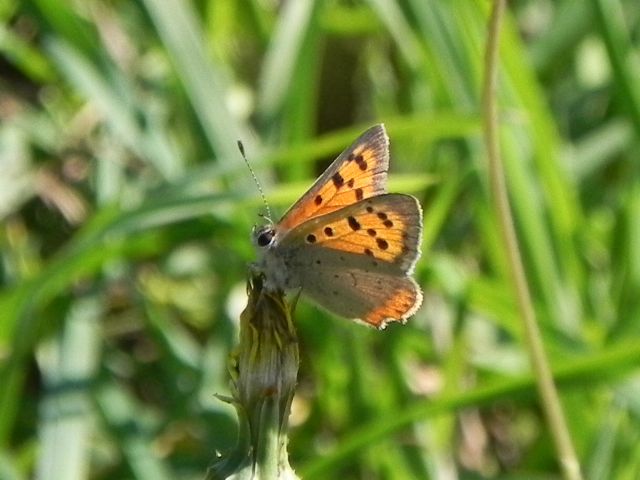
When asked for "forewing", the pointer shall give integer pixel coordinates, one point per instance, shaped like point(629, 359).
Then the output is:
point(359, 172)
point(385, 229)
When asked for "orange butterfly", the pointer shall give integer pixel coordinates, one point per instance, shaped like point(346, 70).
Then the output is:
point(348, 244)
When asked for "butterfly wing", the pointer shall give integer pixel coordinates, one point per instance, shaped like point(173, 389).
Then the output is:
point(355, 262)
point(371, 297)
point(382, 229)
point(359, 172)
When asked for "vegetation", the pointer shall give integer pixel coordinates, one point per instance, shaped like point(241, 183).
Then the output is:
point(127, 209)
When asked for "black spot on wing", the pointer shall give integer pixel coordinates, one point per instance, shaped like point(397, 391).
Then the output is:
point(362, 163)
point(337, 179)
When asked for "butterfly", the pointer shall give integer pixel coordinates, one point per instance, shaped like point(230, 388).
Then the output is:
point(346, 243)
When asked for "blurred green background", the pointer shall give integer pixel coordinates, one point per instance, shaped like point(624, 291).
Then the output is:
point(126, 212)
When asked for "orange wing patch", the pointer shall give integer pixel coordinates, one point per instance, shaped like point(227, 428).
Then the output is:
point(355, 181)
point(386, 228)
point(399, 304)
point(359, 172)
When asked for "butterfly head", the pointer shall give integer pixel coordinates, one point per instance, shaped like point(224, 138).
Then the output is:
point(264, 236)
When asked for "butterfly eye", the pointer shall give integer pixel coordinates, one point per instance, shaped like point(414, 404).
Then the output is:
point(265, 238)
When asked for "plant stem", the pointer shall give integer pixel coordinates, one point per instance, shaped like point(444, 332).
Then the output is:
point(549, 398)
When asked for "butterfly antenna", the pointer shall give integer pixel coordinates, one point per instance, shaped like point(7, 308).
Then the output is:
point(257, 182)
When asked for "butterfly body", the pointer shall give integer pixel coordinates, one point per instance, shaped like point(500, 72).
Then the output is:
point(348, 244)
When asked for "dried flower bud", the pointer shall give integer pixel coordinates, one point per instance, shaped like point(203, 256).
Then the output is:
point(265, 368)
